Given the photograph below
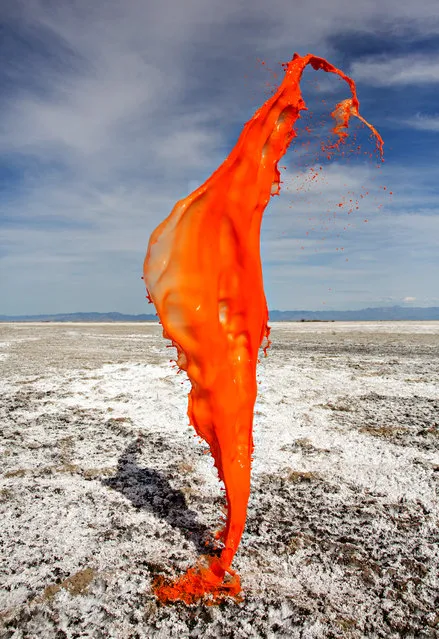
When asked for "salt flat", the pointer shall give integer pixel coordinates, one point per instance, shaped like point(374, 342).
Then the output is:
point(104, 485)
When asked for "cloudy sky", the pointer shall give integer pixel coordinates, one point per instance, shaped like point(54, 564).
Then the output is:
point(112, 110)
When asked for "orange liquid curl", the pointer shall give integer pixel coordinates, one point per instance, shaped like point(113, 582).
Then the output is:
point(203, 272)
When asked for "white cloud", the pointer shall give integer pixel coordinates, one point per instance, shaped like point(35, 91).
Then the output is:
point(423, 122)
point(380, 260)
point(82, 115)
point(385, 70)
point(408, 300)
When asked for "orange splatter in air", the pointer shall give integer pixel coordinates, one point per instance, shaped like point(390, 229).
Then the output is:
point(203, 272)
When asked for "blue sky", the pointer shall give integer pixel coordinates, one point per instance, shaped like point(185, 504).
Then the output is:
point(111, 111)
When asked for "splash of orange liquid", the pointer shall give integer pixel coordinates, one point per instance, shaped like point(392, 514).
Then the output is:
point(203, 272)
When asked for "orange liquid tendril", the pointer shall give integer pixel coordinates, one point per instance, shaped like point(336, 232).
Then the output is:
point(203, 273)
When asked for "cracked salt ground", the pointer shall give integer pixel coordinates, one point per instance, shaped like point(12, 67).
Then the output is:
point(402, 420)
point(104, 485)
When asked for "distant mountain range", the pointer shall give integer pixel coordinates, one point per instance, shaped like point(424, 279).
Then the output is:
point(389, 313)
point(80, 317)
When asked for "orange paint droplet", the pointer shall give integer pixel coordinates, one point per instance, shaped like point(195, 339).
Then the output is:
point(203, 272)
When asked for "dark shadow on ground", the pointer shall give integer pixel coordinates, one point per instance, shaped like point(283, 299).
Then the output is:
point(147, 488)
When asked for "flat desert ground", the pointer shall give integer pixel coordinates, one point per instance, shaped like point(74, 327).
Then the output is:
point(104, 485)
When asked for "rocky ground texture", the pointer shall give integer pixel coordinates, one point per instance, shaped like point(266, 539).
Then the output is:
point(103, 485)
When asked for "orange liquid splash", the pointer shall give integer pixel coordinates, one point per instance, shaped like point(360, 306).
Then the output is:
point(203, 272)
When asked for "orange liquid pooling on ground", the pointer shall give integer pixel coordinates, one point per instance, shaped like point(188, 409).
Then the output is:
point(203, 272)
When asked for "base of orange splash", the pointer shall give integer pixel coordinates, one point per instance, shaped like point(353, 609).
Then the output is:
point(209, 584)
